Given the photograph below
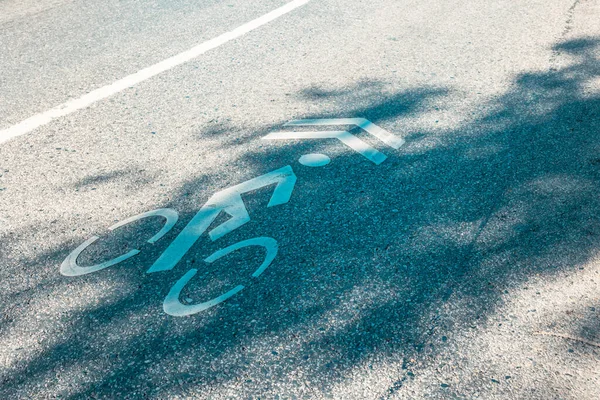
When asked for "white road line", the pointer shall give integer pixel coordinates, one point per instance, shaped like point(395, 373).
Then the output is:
point(94, 96)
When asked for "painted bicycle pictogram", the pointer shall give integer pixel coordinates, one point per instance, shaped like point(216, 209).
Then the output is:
point(230, 202)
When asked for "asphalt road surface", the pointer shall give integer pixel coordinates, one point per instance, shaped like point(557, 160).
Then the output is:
point(449, 251)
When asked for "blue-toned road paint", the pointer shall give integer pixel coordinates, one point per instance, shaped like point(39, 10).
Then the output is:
point(364, 124)
point(69, 266)
point(169, 214)
point(174, 307)
point(268, 243)
point(314, 160)
point(356, 144)
point(229, 201)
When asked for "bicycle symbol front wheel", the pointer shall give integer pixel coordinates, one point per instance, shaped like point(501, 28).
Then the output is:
point(174, 307)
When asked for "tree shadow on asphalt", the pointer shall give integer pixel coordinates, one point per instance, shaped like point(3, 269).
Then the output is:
point(369, 255)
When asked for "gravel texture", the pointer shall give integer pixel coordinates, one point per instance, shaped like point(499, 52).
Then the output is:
point(464, 266)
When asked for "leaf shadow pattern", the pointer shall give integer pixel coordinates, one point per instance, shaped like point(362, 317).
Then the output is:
point(369, 255)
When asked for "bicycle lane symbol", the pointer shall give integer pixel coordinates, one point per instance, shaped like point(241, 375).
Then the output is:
point(230, 202)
